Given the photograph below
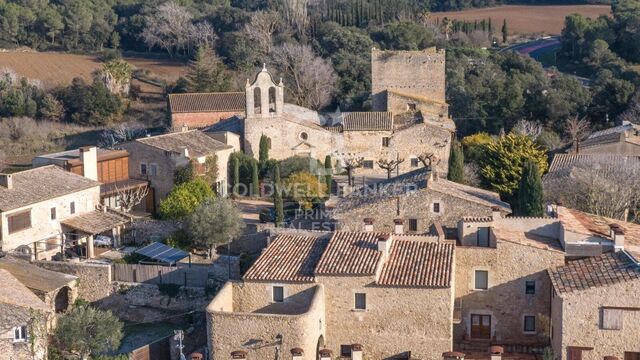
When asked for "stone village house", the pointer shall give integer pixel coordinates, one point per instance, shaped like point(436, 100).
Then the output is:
point(156, 158)
point(199, 110)
point(619, 140)
point(411, 117)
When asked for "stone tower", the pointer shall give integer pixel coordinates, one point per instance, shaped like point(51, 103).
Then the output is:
point(264, 97)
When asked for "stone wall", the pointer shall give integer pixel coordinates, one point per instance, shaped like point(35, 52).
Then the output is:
point(509, 265)
point(396, 320)
point(94, 280)
point(581, 313)
point(42, 227)
point(256, 331)
point(420, 73)
point(200, 119)
point(13, 316)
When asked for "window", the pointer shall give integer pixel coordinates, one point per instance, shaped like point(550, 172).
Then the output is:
point(345, 351)
point(143, 169)
point(153, 169)
point(530, 287)
point(72, 207)
point(481, 280)
point(574, 354)
point(631, 355)
point(385, 141)
point(612, 319)
point(415, 162)
point(53, 213)
point(436, 208)
point(304, 136)
point(483, 236)
point(367, 164)
point(20, 333)
point(413, 224)
point(360, 301)
point(529, 323)
point(278, 294)
point(20, 221)
point(257, 100)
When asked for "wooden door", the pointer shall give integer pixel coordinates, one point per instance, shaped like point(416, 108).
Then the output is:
point(480, 326)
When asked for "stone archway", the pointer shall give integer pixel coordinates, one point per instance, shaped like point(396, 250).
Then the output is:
point(62, 298)
point(319, 346)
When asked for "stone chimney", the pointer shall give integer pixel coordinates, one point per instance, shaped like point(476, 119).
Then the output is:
point(238, 354)
point(617, 234)
point(496, 352)
point(495, 212)
point(453, 355)
point(184, 151)
point(325, 354)
point(184, 128)
point(384, 244)
point(430, 176)
point(356, 352)
point(398, 226)
point(297, 354)
point(368, 224)
point(89, 158)
point(6, 180)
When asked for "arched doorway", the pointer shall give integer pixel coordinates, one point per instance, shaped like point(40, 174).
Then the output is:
point(62, 299)
point(320, 346)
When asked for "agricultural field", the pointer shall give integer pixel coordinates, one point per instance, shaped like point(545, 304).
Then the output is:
point(526, 19)
point(54, 69)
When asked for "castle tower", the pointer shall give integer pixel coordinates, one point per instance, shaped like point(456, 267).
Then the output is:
point(264, 98)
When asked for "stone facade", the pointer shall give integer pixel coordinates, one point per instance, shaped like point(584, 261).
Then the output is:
point(35, 321)
point(94, 280)
point(420, 73)
point(42, 226)
point(198, 120)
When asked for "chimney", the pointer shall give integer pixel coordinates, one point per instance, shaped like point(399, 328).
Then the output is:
point(238, 354)
point(495, 212)
point(6, 180)
point(184, 128)
point(184, 151)
point(296, 354)
point(453, 355)
point(356, 352)
point(325, 354)
point(618, 238)
point(398, 226)
point(89, 158)
point(496, 352)
point(430, 177)
point(368, 224)
point(384, 243)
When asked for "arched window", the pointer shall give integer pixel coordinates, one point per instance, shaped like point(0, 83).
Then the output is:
point(257, 100)
point(272, 99)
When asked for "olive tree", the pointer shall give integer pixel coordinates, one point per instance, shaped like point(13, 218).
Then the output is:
point(215, 222)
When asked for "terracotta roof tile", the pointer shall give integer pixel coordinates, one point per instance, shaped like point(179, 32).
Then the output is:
point(350, 253)
point(418, 263)
point(592, 272)
point(15, 293)
point(95, 222)
point(361, 121)
point(197, 143)
point(288, 258)
point(207, 102)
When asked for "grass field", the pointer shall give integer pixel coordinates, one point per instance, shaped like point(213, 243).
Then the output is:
point(55, 69)
point(526, 19)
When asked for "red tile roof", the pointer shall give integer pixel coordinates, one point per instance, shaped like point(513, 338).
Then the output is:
point(593, 272)
point(207, 102)
point(350, 253)
point(418, 263)
point(288, 258)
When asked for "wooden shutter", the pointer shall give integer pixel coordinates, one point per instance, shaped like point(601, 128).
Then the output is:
point(19, 221)
point(612, 319)
point(575, 354)
point(631, 355)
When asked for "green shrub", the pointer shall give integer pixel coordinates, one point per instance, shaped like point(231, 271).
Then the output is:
point(179, 239)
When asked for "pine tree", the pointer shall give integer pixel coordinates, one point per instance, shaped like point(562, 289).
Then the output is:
point(255, 184)
point(277, 196)
point(505, 31)
point(456, 163)
point(263, 156)
point(529, 197)
point(328, 171)
point(207, 72)
point(236, 175)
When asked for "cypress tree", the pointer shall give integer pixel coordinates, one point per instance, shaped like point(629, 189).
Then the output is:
point(456, 163)
point(236, 174)
point(277, 197)
point(529, 197)
point(505, 31)
point(255, 185)
point(263, 155)
point(328, 171)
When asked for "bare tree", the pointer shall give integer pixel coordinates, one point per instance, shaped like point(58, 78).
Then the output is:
point(472, 174)
point(260, 29)
point(121, 133)
point(169, 28)
point(600, 187)
point(350, 164)
point(390, 165)
point(295, 12)
point(531, 129)
point(632, 114)
point(129, 198)
point(310, 79)
point(428, 159)
point(577, 129)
